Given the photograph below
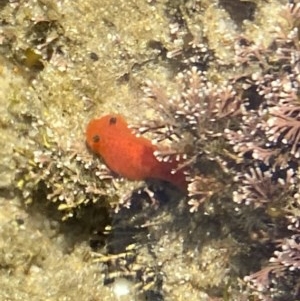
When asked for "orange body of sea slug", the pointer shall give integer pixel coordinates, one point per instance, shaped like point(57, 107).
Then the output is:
point(127, 155)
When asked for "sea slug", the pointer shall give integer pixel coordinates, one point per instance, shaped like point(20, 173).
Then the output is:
point(127, 155)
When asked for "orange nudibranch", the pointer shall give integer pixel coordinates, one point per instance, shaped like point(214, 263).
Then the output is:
point(127, 155)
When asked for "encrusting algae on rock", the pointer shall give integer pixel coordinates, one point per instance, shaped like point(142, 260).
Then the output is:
point(212, 114)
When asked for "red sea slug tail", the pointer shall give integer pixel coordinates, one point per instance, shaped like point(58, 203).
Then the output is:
point(166, 172)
